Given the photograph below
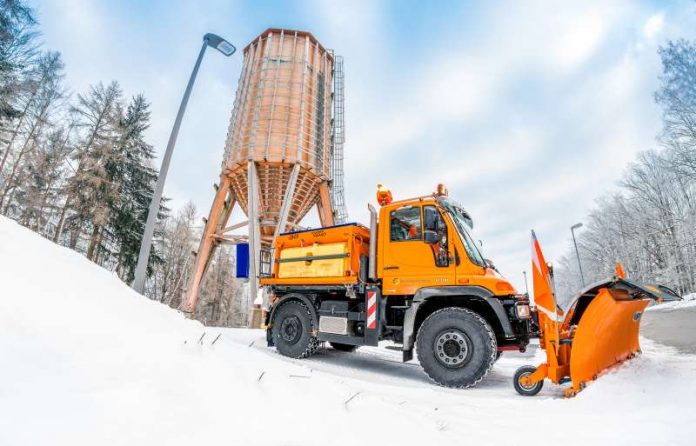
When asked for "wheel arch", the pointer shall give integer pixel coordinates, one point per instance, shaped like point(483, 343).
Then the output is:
point(477, 299)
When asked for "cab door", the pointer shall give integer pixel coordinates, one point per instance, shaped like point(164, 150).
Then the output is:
point(416, 250)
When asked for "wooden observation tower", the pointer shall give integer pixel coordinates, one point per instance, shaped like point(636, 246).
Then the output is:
point(284, 148)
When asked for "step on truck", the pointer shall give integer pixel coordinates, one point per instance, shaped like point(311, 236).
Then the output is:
point(415, 277)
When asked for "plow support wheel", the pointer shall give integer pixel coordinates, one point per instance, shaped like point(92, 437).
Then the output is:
point(606, 335)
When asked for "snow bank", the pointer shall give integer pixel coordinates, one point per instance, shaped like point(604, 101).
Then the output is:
point(86, 361)
point(689, 301)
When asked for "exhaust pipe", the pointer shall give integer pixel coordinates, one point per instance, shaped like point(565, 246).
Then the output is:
point(372, 267)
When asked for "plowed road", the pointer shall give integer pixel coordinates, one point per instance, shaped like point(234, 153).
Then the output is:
point(676, 328)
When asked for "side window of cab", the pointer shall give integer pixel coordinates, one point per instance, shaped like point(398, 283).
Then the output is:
point(405, 224)
point(436, 235)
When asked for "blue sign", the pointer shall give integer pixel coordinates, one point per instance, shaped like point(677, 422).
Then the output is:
point(242, 261)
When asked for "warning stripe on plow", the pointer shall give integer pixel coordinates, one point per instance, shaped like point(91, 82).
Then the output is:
point(371, 310)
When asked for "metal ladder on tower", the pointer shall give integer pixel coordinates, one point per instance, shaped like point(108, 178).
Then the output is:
point(338, 137)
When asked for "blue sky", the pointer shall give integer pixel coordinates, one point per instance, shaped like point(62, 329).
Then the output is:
point(528, 111)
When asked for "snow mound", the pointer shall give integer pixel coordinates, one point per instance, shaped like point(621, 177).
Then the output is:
point(688, 301)
point(86, 361)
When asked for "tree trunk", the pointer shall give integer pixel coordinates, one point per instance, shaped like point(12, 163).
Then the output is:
point(61, 220)
point(93, 243)
point(74, 238)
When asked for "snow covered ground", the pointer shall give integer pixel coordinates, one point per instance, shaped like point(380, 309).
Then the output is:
point(86, 361)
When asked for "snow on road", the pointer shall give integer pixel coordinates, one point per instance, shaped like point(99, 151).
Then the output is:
point(86, 361)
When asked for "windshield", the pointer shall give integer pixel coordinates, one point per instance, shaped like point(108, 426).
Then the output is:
point(464, 225)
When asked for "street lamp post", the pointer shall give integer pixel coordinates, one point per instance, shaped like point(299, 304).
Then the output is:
point(526, 288)
point(577, 253)
point(227, 49)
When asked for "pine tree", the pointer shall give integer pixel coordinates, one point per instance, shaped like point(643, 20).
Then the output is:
point(132, 170)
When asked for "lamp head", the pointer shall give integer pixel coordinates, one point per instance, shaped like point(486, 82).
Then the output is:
point(220, 44)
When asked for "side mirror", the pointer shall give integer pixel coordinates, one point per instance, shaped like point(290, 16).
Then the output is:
point(431, 237)
point(489, 263)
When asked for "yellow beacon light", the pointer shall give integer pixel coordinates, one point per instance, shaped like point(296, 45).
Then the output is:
point(384, 195)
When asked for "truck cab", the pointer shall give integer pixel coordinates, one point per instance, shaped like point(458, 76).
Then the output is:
point(416, 278)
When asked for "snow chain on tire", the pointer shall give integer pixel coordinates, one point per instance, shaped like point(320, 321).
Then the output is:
point(313, 344)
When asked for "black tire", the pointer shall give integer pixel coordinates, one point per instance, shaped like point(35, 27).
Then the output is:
point(525, 390)
point(497, 356)
point(293, 330)
point(456, 347)
point(343, 347)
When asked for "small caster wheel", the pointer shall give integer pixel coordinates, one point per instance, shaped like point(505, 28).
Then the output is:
point(522, 389)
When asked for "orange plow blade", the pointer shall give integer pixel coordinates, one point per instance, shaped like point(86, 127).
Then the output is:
point(606, 335)
point(598, 330)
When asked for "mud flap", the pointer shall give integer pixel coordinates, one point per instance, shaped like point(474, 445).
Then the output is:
point(606, 335)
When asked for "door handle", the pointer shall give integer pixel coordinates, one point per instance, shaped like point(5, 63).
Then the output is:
point(390, 267)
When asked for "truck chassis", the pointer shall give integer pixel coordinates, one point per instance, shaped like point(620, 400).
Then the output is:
point(454, 326)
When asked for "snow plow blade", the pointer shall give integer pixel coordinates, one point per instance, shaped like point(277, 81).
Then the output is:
point(599, 329)
point(607, 334)
point(604, 323)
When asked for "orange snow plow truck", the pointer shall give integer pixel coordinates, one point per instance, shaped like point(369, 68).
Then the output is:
point(417, 277)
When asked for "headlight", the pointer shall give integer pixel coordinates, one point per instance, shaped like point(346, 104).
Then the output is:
point(523, 311)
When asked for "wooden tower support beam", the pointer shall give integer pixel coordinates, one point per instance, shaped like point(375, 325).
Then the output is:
point(219, 213)
point(253, 202)
point(324, 205)
point(287, 202)
point(227, 210)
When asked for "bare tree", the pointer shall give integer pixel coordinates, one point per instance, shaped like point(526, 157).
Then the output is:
point(650, 225)
point(46, 171)
point(88, 189)
point(179, 238)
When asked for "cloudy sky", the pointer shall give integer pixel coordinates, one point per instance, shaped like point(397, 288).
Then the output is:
point(527, 111)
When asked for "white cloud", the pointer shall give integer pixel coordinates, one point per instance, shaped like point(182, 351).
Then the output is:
point(654, 25)
point(579, 36)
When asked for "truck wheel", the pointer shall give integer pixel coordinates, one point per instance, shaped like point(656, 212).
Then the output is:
point(293, 330)
point(523, 390)
point(456, 347)
point(343, 347)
